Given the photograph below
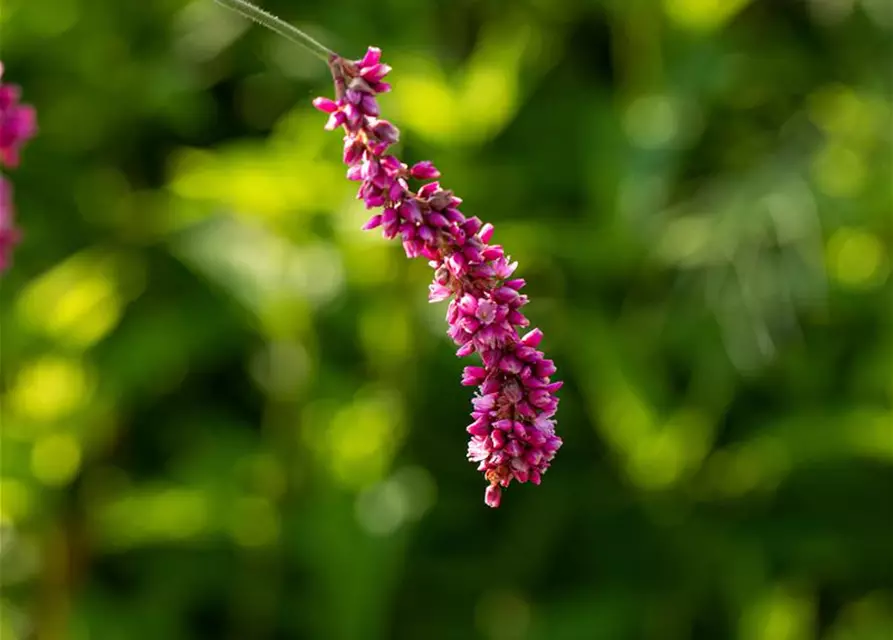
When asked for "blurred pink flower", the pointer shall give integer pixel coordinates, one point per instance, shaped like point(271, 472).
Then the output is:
point(18, 124)
point(9, 235)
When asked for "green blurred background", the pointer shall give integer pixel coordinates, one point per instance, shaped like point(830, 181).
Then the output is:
point(229, 413)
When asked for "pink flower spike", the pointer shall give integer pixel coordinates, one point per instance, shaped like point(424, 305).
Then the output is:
point(512, 436)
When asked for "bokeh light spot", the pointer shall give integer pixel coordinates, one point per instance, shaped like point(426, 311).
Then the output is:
point(856, 258)
point(49, 389)
point(77, 302)
point(254, 522)
point(281, 368)
point(427, 105)
point(152, 515)
point(405, 496)
point(381, 509)
point(839, 171)
point(385, 332)
point(503, 615)
point(47, 24)
point(781, 613)
point(652, 122)
point(15, 500)
point(56, 459)
point(702, 15)
point(840, 111)
point(357, 441)
point(263, 474)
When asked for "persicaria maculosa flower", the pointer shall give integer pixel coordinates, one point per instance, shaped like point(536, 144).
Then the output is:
point(512, 436)
point(513, 433)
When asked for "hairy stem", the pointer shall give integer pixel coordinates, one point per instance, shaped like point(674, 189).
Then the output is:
point(336, 66)
point(281, 27)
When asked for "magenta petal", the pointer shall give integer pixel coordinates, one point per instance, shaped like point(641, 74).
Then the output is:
point(510, 364)
point(375, 73)
point(472, 225)
point(374, 221)
point(532, 338)
point(396, 191)
point(372, 57)
point(492, 253)
point(491, 386)
point(473, 376)
point(517, 284)
point(518, 318)
point(515, 449)
point(369, 106)
point(456, 264)
point(479, 428)
point(325, 105)
point(437, 219)
point(409, 210)
point(424, 170)
point(373, 200)
point(519, 429)
point(525, 410)
point(505, 295)
point(465, 350)
point(385, 131)
point(534, 457)
point(335, 120)
point(545, 368)
point(493, 496)
point(429, 190)
point(438, 292)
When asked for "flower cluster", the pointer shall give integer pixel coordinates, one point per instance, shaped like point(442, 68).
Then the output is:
point(18, 123)
point(513, 433)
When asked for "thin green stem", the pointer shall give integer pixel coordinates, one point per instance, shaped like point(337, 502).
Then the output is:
point(281, 27)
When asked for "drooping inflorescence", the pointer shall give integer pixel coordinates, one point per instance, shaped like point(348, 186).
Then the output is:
point(513, 432)
point(18, 123)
